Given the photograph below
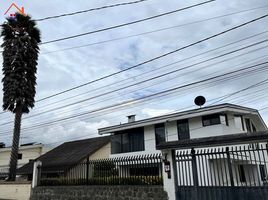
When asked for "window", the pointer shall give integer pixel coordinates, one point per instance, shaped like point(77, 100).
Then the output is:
point(263, 172)
point(128, 141)
point(160, 133)
point(248, 125)
point(242, 175)
point(19, 156)
point(183, 129)
point(211, 120)
point(239, 123)
point(254, 128)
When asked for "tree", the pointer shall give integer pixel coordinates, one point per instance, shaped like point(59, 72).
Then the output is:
point(21, 39)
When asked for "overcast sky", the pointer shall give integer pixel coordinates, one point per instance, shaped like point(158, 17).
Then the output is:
point(61, 70)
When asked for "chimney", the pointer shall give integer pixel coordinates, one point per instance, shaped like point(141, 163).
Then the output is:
point(131, 118)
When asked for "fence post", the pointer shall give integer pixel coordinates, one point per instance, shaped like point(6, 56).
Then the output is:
point(87, 170)
point(169, 178)
point(194, 168)
point(36, 173)
point(230, 166)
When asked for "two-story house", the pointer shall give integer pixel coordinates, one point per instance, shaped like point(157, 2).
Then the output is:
point(141, 137)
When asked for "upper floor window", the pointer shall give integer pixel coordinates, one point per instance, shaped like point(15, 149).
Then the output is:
point(250, 126)
point(239, 122)
point(160, 133)
point(183, 129)
point(211, 120)
point(128, 141)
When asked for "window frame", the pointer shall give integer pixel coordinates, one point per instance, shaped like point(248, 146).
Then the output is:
point(157, 138)
point(183, 121)
point(211, 117)
point(128, 135)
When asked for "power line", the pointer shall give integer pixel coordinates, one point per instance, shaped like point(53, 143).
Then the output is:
point(165, 99)
point(91, 9)
point(128, 23)
point(155, 58)
point(237, 92)
point(109, 98)
point(150, 79)
point(153, 31)
point(249, 37)
point(253, 68)
point(143, 73)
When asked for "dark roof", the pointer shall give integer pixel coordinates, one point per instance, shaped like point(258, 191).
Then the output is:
point(223, 140)
point(69, 153)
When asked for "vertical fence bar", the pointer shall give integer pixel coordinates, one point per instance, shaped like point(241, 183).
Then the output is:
point(194, 168)
point(251, 162)
point(87, 171)
point(229, 164)
point(256, 163)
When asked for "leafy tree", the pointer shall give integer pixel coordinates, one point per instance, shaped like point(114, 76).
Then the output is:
point(21, 39)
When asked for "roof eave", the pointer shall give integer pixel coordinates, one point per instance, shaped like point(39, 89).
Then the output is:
point(177, 116)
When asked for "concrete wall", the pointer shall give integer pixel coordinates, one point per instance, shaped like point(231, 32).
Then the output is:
point(102, 153)
point(99, 193)
point(15, 191)
point(28, 152)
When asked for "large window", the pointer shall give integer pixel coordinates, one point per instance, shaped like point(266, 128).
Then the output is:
point(183, 129)
point(160, 133)
point(128, 141)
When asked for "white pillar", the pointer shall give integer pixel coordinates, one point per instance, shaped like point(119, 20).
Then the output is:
point(36, 168)
point(169, 182)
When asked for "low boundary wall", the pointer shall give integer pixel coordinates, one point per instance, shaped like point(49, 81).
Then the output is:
point(18, 191)
point(99, 193)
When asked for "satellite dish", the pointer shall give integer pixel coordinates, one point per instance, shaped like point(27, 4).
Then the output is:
point(200, 101)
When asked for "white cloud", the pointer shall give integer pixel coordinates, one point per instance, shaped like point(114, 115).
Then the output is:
point(149, 112)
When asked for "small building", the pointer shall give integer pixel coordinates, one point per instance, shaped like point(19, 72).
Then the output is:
point(67, 156)
point(142, 137)
point(27, 152)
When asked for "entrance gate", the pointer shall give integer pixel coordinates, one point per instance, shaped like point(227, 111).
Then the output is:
point(223, 173)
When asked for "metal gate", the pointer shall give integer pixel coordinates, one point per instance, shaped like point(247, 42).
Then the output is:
point(226, 173)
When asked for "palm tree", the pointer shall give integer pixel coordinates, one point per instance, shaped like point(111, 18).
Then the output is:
point(21, 39)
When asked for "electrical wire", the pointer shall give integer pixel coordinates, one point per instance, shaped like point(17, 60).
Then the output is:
point(155, 58)
point(153, 31)
point(127, 24)
point(90, 10)
point(118, 105)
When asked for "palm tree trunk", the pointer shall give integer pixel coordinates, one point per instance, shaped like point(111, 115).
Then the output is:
point(15, 146)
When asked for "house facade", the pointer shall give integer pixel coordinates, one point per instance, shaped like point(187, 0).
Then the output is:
point(142, 137)
point(27, 152)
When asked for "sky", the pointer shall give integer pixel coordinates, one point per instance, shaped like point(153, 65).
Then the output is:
point(105, 102)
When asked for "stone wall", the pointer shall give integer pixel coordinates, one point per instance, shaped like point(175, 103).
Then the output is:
point(18, 191)
point(99, 193)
